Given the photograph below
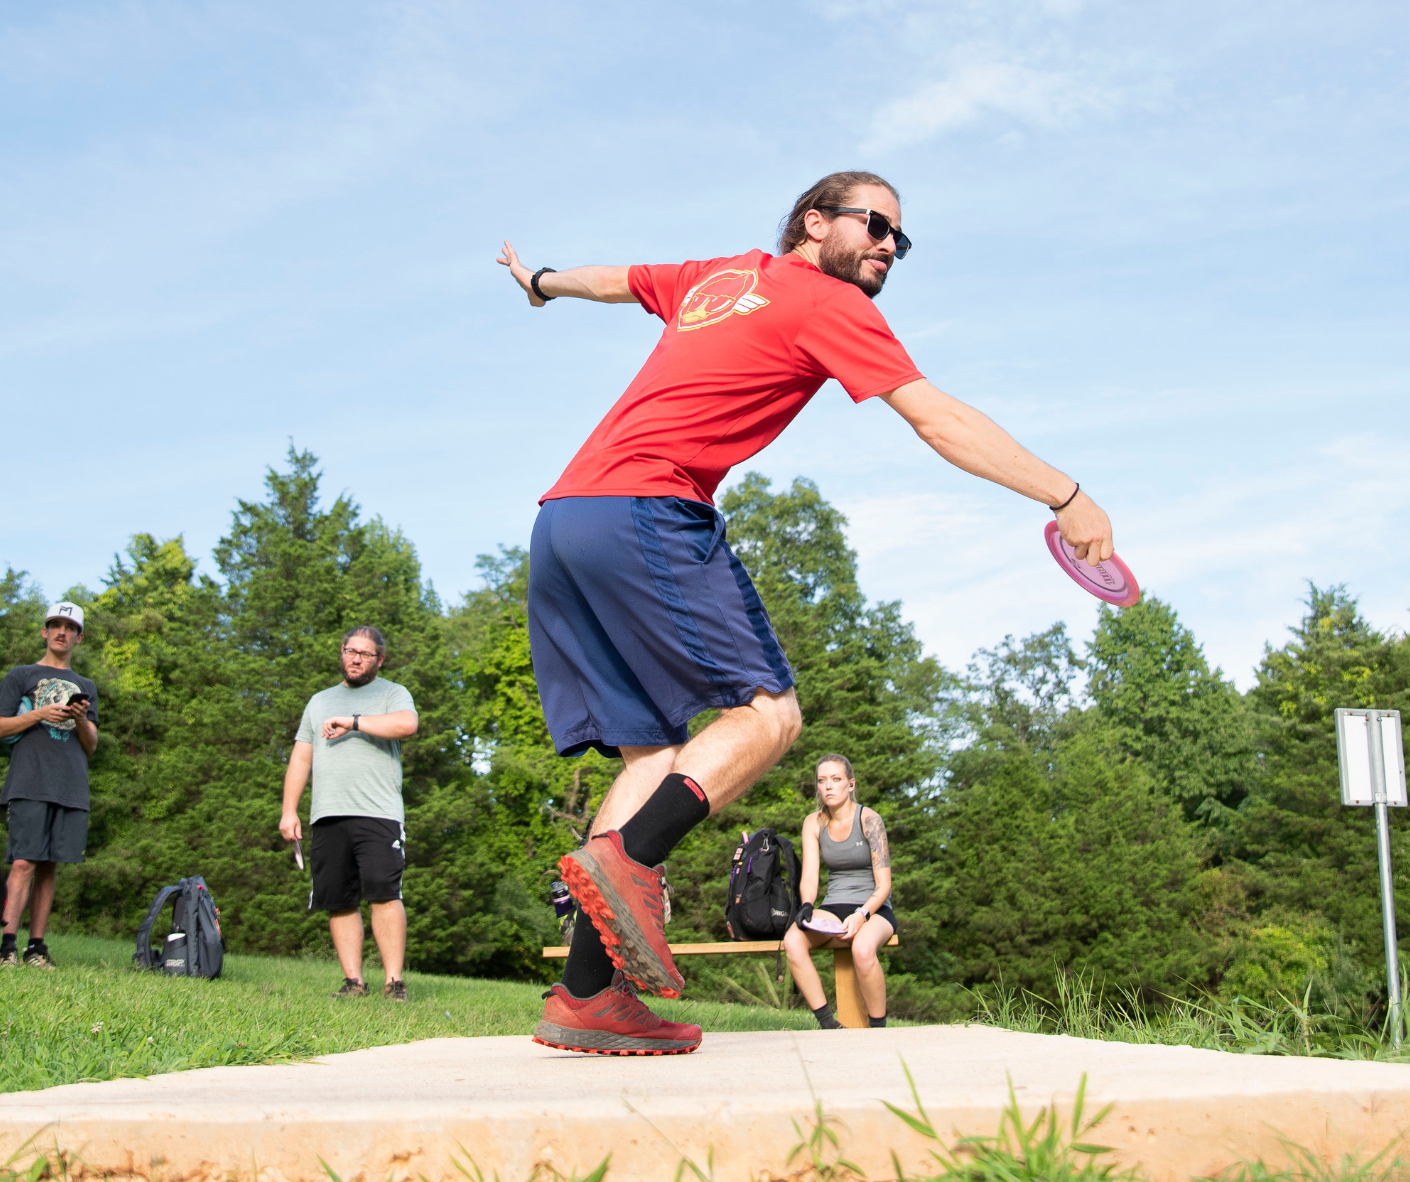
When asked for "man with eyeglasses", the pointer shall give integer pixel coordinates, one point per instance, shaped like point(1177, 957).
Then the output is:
point(640, 617)
point(350, 739)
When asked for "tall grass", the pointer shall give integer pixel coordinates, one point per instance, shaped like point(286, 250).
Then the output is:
point(1297, 1026)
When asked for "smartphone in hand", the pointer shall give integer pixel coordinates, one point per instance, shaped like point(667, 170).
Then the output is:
point(78, 697)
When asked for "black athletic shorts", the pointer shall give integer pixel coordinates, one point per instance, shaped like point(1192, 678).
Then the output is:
point(843, 910)
point(44, 832)
point(356, 858)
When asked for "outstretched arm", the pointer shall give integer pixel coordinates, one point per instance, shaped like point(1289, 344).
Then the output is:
point(974, 442)
point(606, 285)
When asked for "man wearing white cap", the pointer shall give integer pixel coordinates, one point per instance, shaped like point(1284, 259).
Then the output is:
point(49, 718)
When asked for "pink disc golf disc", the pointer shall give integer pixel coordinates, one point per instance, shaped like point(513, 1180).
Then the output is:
point(1111, 580)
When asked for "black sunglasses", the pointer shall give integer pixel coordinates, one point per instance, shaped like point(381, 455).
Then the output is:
point(877, 226)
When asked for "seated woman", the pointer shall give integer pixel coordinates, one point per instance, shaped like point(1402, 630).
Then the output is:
point(851, 842)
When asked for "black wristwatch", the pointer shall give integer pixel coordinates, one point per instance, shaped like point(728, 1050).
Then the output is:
point(534, 283)
point(355, 718)
point(866, 915)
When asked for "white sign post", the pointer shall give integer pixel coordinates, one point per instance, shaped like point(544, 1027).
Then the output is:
point(1371, 758)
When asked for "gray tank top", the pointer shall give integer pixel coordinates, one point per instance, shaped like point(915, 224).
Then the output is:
point(849, 874)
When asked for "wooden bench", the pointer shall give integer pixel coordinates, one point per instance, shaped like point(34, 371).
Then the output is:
point(851, 1011)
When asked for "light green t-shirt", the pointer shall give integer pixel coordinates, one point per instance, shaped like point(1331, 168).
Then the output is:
point(356, 775)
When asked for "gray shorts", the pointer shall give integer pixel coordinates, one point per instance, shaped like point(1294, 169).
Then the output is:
point(44, 832)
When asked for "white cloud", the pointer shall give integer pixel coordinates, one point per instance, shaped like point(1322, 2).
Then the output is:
point(1039, 98)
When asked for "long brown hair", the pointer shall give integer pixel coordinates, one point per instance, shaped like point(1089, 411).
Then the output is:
point(846, 763)
point(834, 189)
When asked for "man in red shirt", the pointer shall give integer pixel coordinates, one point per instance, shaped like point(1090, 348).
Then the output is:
point(641, 617)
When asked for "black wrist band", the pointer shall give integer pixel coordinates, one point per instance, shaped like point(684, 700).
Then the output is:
point(1066, 503)
point(355, 718)
point(534, 283)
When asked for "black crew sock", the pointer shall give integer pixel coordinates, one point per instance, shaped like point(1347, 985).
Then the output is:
point(876, 1023)
point(825, 1019)
point(7, 942)
point(33, 944)
point(672, 811)
point(589, 969)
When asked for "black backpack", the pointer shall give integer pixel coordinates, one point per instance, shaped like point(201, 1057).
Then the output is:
point(195, 947)
point(763, 887)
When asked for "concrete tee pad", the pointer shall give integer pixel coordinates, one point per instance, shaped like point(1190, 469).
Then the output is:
point(406, 1111)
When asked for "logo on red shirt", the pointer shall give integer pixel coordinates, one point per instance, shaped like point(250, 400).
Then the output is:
point(719, 296)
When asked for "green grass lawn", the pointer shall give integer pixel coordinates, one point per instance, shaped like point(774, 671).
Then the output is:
point(96, 1018)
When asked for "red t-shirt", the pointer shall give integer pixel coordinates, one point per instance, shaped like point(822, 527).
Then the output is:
point(748, 341)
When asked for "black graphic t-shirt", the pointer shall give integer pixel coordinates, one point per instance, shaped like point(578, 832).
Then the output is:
point(46, 762)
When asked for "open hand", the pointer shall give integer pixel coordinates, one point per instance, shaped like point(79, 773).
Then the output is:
point(1087, 529)
point(508, 257)
point(853, 924)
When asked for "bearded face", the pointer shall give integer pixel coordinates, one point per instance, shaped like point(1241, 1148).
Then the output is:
point(849, 263)
point(360, 674)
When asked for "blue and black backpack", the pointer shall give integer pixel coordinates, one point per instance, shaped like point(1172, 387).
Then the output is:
point(195, 947)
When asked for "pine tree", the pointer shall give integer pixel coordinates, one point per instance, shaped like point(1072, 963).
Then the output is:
point(1310, 855)
point(1185, 722)
point(1060, 853)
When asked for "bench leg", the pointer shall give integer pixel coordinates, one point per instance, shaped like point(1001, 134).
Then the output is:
point(850, 1009)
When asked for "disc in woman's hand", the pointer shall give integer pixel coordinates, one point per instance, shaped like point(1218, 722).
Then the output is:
point(825, 922)
point(1111, 579)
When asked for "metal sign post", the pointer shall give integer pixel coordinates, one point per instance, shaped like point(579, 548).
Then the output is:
point(1371, 759)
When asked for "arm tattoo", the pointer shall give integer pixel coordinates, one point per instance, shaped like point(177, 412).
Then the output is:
point(875, 830)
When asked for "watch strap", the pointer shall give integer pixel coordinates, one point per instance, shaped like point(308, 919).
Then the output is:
point(534, 283)
point(355, 718)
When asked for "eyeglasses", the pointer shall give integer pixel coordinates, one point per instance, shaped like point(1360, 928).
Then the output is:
point(358, 654)
point(877, 226)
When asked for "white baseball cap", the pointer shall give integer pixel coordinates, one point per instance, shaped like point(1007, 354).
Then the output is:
point(64, 610)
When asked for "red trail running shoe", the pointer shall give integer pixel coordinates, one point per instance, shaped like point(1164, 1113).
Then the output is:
point(613, 1022)
point(625, 901)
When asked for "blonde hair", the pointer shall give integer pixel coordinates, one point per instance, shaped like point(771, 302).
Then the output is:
point(851, 792)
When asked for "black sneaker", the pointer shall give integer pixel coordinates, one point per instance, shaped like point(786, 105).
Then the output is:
point(351, 988)
point(10, 959)
point(38, 958)
point(395, 991)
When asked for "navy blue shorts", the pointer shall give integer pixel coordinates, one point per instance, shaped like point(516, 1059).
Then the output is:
point(640, 617)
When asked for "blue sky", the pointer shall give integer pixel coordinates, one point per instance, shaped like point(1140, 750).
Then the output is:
point(1163, 243)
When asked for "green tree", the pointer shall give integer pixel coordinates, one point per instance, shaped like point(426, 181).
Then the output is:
point(1019, 694)
point(1308, 854)
point(1060, 851)
point(206, 685)
point(21, 617)
point(1185, 722)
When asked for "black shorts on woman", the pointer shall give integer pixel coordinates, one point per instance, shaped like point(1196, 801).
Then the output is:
point(843, 910)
